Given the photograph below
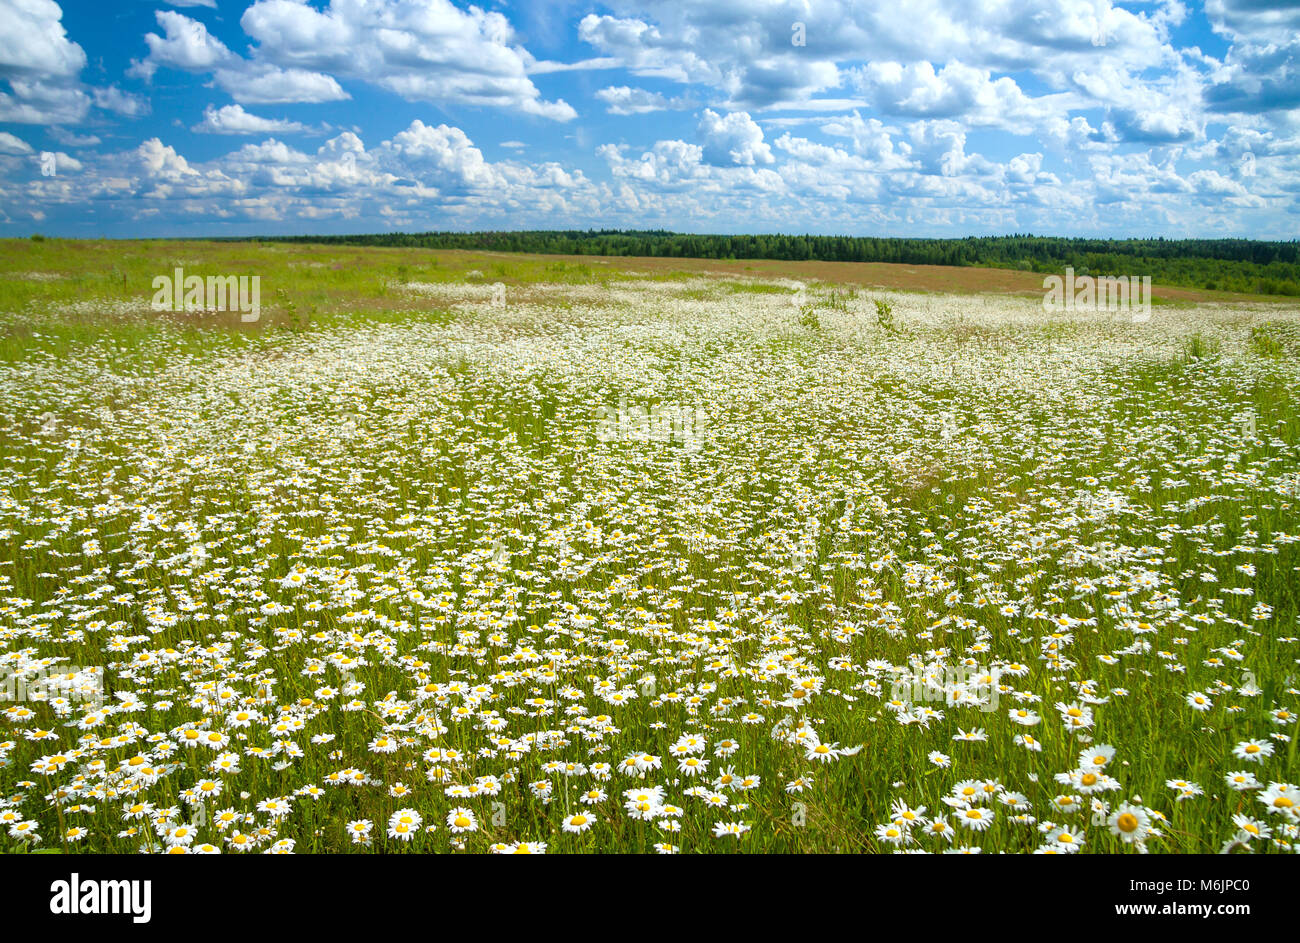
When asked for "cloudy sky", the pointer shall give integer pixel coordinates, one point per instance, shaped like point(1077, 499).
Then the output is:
point(898, 117)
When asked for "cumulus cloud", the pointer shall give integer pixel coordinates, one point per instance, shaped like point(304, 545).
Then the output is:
point(422, 50)
point(680, 166)
point(667, 163)
point(186, 45)
point(13, 145)
point(443, 155)
point(809, 114)
point(65, 163)
point(1210, 186)
point(750, 51)
point(41, 65)
point(733, 139)
point(956, 91)
point(940, 147)
point(1258, 77)
point(162, 161)
point(233, 119)
point(261, 84)
point(33, 42)
point(1253, 19)
point(123, 103)
point(38, 102)
point(622, 100)
point(429, 50)
point(69, 139)
point(740, 59)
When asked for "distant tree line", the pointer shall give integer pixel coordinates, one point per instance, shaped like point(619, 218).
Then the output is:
point(1244, 265)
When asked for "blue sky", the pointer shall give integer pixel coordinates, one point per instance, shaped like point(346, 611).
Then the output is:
point(920, 118)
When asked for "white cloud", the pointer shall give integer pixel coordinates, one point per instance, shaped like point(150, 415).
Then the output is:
point(10, 144)
point(680, 167)
point(956, 91)
point(269, 151)
point(940, 146)
point(745, 49)
point(68, 139)
point(123, 103)
point(622, 100)
point(1255, 20)
point(734, 139)
point(187, 45)
point(40, 102)
point(444, 156)
point(739, 57)
point(910, 117)
point(64, 163)
point(1258, 77)
point(871, 140)
point(668, 163)
point(41, 65)
point(1071, 135)
point(424, 50)
point(1213, 187)
point(161, 160)
point(233, 119)
point(33, 42)
point(259, 84)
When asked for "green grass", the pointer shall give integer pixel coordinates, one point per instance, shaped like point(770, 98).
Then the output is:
point(849, 502)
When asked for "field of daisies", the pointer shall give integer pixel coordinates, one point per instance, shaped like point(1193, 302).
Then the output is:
point(539, 557)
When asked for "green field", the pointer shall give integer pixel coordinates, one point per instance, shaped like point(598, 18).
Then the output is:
point(459, 551)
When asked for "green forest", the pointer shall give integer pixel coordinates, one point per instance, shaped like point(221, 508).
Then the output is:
point(1242, 265)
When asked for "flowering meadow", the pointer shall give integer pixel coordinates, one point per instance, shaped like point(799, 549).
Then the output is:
point(457, 554)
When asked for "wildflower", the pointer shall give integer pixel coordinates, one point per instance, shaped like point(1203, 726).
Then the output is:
point(577, 823)
point(1129, 822)
point(1253, 751)
point(460, 820)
